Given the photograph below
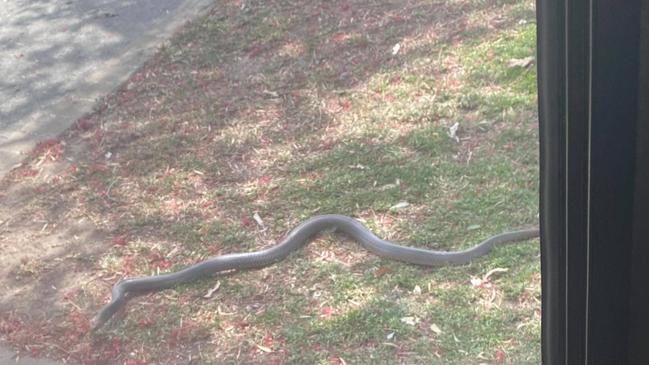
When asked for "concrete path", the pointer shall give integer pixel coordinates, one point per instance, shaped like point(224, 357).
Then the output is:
point(58, 56)
point(10, 357)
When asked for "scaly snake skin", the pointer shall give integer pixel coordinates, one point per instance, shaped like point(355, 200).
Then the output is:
point(297, 238)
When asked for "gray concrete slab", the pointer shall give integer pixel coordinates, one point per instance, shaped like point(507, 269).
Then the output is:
point(58, 56)
point(10, 357)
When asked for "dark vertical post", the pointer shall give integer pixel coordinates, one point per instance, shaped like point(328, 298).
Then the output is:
point(639, 297)
point(614, 101)
point(551, 35)
point(594, 180)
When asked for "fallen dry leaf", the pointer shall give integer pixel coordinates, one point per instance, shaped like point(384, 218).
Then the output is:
point(410, 320)
point(213, 290)
point(452, 132)
point(416, 290)
point(258, 219)
point(400, 205)
point(493, 271)
point(484, 281)
point(476, 282)
point(264, 348)
point(382, 271)
point(396, 49)
point(520, 62)
point(358, 167)
point(500, 356)
point(435, 328)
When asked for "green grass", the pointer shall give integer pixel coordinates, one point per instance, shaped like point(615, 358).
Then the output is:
point(390, 146)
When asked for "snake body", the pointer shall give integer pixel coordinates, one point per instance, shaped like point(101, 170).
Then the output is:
point(297, 238)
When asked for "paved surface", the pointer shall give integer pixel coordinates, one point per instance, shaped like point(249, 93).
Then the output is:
point(58, 56)
point(9, 357)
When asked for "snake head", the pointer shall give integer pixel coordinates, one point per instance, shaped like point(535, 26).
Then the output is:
point(107, 312)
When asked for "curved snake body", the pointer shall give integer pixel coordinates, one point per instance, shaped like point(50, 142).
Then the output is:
point(298, 237)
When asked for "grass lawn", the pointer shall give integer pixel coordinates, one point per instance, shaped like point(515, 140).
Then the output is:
point(255, 117)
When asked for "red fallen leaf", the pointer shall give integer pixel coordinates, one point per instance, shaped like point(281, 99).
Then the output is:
point(340, 37)
point(9, 325)
point(80, 322)
point(255, 51)
point(96, 167)
point(51, 146)
point(120, 240)
point(158, 259)
point(115, 348)
point(395, 80)
point(213, 249)
point(391, 98)
point(128, 265)
point(382, 271)
point(69, 295)
point(145, 322)
point(267, 341)
point(264, 180)
point(84, 124)
point(245, 221)
point(47, 143)
point(345, 104)
point(128, 95)
point(98, 136)
point(500, 356)
point(387, 220)
point(28, 172)
point(137, 77)
point(326, 311)
point(242, 324)
point(174, 335)
point(164, 264)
